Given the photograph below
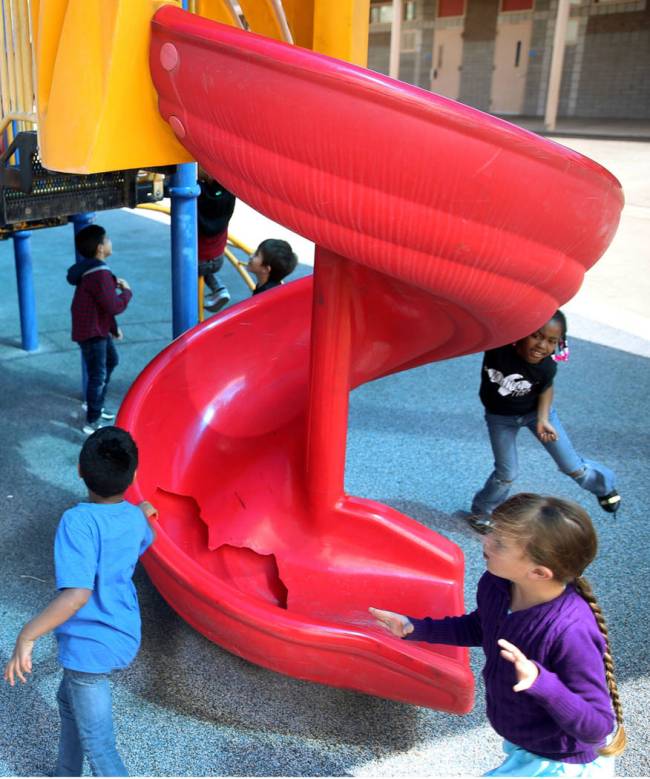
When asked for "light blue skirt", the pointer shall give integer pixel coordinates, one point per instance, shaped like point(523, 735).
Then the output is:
point(519, 762)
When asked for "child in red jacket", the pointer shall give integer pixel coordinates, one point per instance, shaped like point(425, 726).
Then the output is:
point(99, 296)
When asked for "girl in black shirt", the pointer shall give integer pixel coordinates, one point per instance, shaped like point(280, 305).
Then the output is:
point(517, 391)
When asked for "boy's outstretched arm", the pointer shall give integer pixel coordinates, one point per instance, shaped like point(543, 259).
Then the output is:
point(150, 512)
point(67, 603)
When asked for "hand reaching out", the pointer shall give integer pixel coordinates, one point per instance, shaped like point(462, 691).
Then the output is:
point(527, 672)
point(20, 662)
point(148, 509)
point(398, 624)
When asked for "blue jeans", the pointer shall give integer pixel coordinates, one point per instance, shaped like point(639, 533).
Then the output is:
point(520, 762)
point(590, 475)
point(86, 710)
point(100, 357)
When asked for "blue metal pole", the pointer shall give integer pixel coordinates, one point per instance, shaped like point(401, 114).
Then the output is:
point(185, 284)
point(26, 297)
point(185, 273)
point(79, 221)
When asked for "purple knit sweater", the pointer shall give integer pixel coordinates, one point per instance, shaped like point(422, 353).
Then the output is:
point(566, 714)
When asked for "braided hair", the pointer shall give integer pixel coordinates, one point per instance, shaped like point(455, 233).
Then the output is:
point(559, 535)
point(619, 742)
point(562, 349)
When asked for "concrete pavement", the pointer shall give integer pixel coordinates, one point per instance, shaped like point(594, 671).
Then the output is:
point(186, 707)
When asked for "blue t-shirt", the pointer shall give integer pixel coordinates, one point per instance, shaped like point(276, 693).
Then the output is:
point(97, 546)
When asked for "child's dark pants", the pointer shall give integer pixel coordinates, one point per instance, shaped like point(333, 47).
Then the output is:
point(100, 358)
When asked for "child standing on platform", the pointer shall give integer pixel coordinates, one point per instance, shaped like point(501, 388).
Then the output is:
point(99, 296)
point(548, 674)
point(95, 617)
point(517, 391)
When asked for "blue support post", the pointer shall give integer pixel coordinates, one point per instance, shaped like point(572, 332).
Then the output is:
point(79, 221)
point(26, 296)
point(185, 284)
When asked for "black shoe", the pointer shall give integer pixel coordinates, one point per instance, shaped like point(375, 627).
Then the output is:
point(477, 520)
point(610, 502)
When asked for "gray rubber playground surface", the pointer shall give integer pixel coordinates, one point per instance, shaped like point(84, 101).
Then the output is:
point(187, 707)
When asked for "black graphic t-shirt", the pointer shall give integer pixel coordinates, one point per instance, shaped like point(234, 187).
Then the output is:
point(510, 385)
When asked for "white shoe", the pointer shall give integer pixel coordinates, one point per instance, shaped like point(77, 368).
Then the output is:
point(108, 415)
point(91, 427)
point(217, 300)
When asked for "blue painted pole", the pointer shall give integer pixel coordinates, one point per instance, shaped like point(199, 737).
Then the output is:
point(79, 221)
point(26, 296)
point(185, 272)
point(185, 283)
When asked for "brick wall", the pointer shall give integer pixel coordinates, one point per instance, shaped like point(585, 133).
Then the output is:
point(478, 53)
point(615, 73)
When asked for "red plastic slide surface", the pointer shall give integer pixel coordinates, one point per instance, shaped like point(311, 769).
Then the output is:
point(440, 231)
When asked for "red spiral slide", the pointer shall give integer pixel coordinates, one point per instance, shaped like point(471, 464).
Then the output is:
point(440, 231)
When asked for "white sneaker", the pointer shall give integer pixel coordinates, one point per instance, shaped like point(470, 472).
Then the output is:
point(91, 427)
point(216, 301)
point(108, 415)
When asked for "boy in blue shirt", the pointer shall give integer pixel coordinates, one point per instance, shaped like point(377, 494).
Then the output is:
point(95, 617)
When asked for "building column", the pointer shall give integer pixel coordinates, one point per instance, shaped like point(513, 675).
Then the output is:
point(395, 39)
point(557, 60)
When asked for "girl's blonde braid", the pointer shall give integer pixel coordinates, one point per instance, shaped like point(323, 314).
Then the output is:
point(618, 743)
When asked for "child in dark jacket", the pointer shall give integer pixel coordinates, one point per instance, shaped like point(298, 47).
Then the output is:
point(272, 262)
point(99, 296)
point(215, 206)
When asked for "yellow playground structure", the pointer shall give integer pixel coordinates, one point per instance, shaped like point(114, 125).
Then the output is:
point(80, 129)
point(94, 103)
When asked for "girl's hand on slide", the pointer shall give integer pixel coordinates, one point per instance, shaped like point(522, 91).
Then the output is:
point(527, 672)
point(398, 624)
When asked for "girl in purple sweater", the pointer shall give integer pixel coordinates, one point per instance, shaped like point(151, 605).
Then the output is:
point(549, 680)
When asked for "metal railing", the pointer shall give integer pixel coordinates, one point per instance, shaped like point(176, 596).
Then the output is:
point(239, 266)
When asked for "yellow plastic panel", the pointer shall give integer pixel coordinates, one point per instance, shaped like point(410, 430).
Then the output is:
point(217, 10)
point(97, 107)
point(262, 18)
point(341, 29)
point(300, 16)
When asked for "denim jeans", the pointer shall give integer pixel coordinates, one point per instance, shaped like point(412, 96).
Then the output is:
point(209, 269)
point(86, 710)
point(100, 357)
point(590, 475)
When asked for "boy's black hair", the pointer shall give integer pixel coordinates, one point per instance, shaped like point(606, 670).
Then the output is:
point(108, 460)
point(88, 239)
point(278, 255)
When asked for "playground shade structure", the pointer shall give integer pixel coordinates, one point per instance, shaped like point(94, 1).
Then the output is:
point(440, 231)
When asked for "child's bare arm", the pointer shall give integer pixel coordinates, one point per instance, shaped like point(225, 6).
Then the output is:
point(150, 511)
point(545, 430)
point(67, 603)
point(398, 624)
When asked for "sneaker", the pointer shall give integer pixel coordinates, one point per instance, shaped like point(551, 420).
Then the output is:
point(90, 427)
point(610, 502)
point(217, 300)
point(480, 523)
point(106, 414)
